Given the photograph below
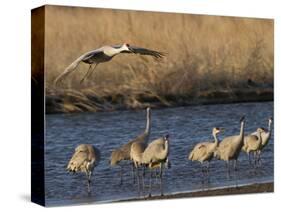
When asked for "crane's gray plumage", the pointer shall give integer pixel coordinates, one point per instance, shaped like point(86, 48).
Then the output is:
point(204, 151)
point(156, 155)
point(124, 152)
point(139, 144)
point(253, 143)
point(102, 55)
point(230, 147)
point(157, 151)
point(265, 136)
point(85, 158)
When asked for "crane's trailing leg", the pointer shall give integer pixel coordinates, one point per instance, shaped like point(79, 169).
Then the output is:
point(93, 70)
point(85, 76)
point(89, 72)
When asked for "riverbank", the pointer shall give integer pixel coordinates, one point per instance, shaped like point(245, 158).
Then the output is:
point(74, 101)
point(245, 189)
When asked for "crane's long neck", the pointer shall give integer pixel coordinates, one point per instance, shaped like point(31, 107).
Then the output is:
point(242, 129)
point(166, 149)
point(267, 136)
point(269, 127)
point(148, 123)
point(216, 139)
point(111, 52)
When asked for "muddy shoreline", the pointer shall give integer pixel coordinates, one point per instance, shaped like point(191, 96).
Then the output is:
point(245, 189)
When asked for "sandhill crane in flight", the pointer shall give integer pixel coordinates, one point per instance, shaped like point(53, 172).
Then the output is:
point(230, 147)
point(85, 158)
point(123, 153)
point(102, 55)
point(204, 151)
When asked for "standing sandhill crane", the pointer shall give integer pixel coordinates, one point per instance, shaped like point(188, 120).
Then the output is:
point(265, 137)
point(123, 153)
point(252, 143)
point(120, 154)
point(156, 155)
point(138, 146)
point(85, 158)
point(205, 151)
point(230, 147)
point(102, 55)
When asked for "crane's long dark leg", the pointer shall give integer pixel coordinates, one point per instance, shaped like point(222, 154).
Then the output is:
point(228, 169)
point(88, 174)
point(85, 76)
point(208, 171)
point(143, 171)
point(235, 165)
point(202, 172)
point(150, 183)
point(133, 173)
point(249, 157)
point(161, 180)
point(259, 157)
point(121, 174)
point(89, 72)
point(138, 178)
point(143, 178)
point(93, 70)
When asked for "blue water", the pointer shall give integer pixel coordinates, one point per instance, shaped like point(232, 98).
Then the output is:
point(186, 126)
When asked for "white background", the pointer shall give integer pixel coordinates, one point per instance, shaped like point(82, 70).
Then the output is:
point(15, 103)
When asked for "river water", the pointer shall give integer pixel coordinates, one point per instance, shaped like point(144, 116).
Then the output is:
point(186, 126)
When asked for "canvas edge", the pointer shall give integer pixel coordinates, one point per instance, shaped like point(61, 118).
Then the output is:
point(37, 106)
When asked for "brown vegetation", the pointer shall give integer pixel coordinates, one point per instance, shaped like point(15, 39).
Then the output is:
point(210, 59)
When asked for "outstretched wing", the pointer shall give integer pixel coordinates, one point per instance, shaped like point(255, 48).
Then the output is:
point(142, 51)
point(72, 67)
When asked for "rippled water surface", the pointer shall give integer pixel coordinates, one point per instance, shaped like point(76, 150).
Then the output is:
point(186, 126)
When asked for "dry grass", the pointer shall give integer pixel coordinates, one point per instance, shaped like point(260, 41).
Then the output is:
point(205, 53)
